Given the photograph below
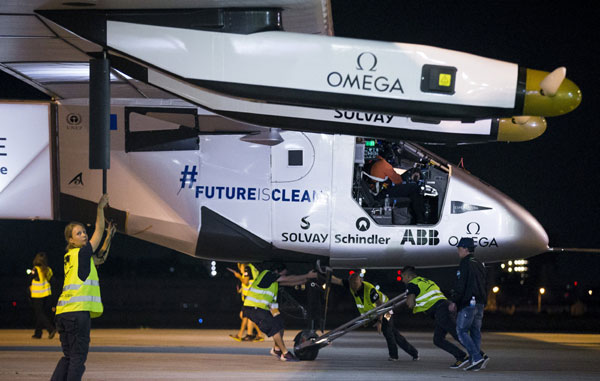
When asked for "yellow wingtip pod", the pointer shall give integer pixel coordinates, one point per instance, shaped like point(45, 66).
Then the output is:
point(520, 129)
point(566, 99)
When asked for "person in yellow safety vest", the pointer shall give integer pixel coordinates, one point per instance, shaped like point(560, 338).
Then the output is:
point(367, 297)
point(260, 305)
point(424, 295)
point(41, 292)
point(246, 275)
point(80, 298)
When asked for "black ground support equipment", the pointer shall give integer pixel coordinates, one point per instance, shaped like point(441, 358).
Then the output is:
point(307, 343)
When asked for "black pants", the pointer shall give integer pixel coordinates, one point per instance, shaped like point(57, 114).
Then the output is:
point(41, 309)
point(74, 330)
point(444, 324)
point(393, 337)
point(412, 191)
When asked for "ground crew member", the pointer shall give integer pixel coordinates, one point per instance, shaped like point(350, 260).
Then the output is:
point(423, 295)
point(246, 275)
point(41, 291)
point(80, 299)
point(367, 297)
point(469, 298)
point(261, 306)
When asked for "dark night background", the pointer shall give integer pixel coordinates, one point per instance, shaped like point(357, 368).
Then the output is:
point(553, 176)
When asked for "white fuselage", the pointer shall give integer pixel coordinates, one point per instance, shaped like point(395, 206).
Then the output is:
point(292, 199)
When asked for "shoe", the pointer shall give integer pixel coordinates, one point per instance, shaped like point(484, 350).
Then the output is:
point(36, 337)
point(236, 337)
point(248, 338)
point(416, 358)
point(475, 366)
point(288, 357)
point(460, 363)
point(258, 338)
point(276, 352)
point(51, 334)
point(392, 358)
point(486, 359)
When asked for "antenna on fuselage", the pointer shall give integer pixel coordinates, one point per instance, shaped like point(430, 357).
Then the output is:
point(573, 249)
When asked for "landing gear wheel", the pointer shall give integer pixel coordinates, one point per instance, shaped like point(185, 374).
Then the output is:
point(306, 354)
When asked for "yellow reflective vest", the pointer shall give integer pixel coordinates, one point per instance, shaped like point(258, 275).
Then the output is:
point(41, 288)
point(365, 304)
point(429, 294)
point(78, 295)
point(265, 298)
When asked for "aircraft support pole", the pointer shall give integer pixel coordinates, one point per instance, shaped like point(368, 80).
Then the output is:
point(100, 115)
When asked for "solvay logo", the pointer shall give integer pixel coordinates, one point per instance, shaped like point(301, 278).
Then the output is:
point(364, 78)
point(305, 224)
point(363, 224)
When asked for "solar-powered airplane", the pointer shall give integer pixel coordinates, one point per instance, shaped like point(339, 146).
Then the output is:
point(244, 131)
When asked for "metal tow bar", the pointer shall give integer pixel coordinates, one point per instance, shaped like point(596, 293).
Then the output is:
point(307, 343)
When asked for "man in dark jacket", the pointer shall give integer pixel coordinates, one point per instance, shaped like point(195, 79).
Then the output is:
point(470, 297)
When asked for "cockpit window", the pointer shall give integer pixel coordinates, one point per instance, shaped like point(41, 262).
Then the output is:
point(398, 183)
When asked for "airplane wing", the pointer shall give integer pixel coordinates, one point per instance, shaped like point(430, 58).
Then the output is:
point(55, 61)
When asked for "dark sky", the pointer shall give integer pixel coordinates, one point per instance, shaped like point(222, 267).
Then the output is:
point(553, 176)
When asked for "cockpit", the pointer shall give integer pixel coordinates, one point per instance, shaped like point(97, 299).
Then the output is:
point(398, 182)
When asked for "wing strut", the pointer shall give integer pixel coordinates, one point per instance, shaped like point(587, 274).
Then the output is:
point(100, 116)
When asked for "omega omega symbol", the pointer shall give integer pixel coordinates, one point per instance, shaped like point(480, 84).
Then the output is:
point(473, 225)
point(360, 61)
point(363, 224)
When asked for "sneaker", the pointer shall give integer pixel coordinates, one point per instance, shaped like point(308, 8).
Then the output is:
point(51, 334)
point(416, 358)
point(460, 363)
point(475, 366)
point(236, 337)
point(288, 357)
point(276, 352)
point(486, 359)
point(258, 338)
point(392, 358)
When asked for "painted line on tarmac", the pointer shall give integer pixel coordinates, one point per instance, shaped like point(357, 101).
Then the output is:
point(114, 349)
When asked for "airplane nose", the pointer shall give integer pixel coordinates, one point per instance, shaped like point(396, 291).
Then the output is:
point(565, 99)
point(531, 237)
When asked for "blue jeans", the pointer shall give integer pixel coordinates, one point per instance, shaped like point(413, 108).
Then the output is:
point(468, 328)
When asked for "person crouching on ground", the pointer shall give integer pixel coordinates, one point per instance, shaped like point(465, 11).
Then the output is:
point(260, 305)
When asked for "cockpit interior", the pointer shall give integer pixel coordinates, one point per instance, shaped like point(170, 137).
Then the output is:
point(398, 182)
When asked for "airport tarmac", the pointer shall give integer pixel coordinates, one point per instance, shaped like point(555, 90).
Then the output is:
point(160, 354)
